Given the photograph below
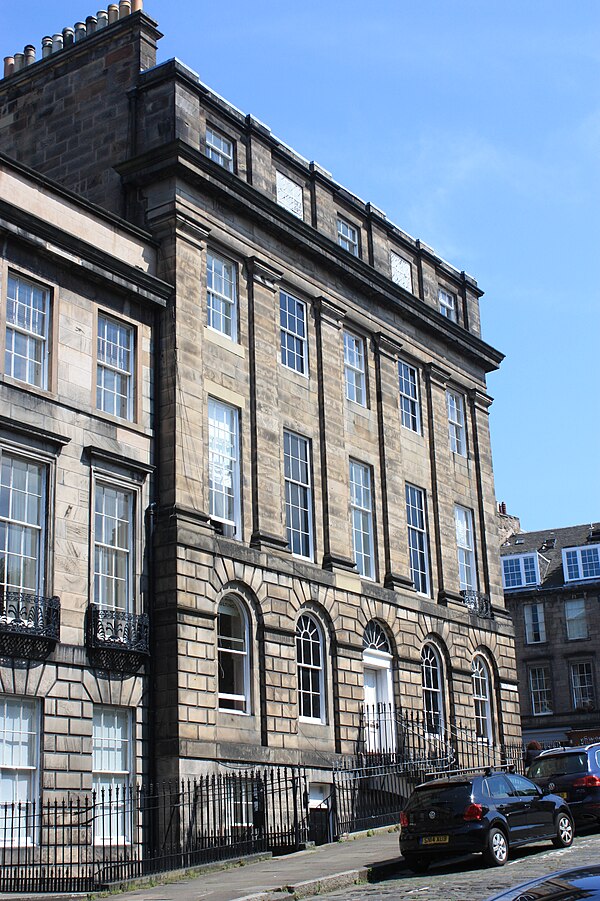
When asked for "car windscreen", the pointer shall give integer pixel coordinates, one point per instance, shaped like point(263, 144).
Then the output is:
point(561, 765)
point(455, 795)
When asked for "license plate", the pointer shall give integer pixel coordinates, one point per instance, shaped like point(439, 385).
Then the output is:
point(563, 795)
point(435, 840)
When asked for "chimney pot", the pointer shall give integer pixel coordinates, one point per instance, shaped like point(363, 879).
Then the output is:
point(113, 13)
point(68, 37)
point(9, 65)
point(124, 8)
point(80, 31)
point(91, 24)
point(29, 54)
point(137, 5)
point(57, 42)
point(46, 46)
point(102, 17)
point(19, 62)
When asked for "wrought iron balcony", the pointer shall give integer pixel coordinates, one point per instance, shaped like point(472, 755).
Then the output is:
point(478, 603)
point(116, 630)
point(29, 615)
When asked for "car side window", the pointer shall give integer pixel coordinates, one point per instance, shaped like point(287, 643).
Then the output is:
point(598, 758)
point(521, 787)
point(497, 787)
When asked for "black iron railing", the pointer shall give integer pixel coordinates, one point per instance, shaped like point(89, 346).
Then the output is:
point(122, 833)
point(478, 603)
point(117, 630)
point(29, 615)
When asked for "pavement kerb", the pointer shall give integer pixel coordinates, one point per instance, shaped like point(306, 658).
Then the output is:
point(320, 885)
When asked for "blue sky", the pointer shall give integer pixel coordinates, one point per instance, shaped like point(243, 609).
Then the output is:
point(476, 127)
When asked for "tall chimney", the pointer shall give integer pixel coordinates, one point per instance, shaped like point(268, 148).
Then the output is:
point(46, 47)
point(113, 13)
point(102, 17)
point(29, 54)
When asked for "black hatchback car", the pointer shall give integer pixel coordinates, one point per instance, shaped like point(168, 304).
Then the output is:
point(487, 812)
point(574, 774)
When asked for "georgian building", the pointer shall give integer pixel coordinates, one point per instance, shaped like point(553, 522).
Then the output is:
point(303, 497)
point(552, 589)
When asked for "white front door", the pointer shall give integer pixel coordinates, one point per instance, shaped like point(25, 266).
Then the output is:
point(379, 709)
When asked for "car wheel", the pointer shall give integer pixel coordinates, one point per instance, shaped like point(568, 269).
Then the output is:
point(416, 863)
point(564, 831)
point(496, 853)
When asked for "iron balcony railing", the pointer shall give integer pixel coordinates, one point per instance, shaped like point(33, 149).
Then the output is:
point(117, 630)
point(478, 603)
point(29, 615)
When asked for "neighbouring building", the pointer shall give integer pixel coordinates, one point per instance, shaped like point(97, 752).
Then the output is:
point(256, 414)
point(552, 589)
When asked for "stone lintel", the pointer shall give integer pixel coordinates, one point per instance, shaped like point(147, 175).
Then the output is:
point(329, 311)
point(480, 399)
point(437, 375)
point(386, 346)
point(24, 429)
point(100, 455)
point(262, 273)
point(176, 217)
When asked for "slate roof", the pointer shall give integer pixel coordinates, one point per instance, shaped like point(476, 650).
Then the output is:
point(549, 543)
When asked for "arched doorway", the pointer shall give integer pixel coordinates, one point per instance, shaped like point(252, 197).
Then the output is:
point(379, 714)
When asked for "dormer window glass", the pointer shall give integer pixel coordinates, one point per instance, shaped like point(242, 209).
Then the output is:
point(219, 149)
point(347, 237)
point(289, 195)
point(520, 570)
point(581, 563)
point(447, 303)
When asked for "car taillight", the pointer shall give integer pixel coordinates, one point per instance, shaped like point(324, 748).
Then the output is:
point(587, 782)
point(473, 813)
point(403, 819)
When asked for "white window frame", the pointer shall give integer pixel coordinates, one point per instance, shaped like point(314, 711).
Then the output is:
point(465, 546)
point(535, 623)
point(298, 495)
point(521, 569)
point(482, 698)
point(574, 621)
point(455, 404)
point(17, 528)
point(418, 538)
point(21, 328)
point(19, 829)
point(355, 369)
point(401, 271)
point(293, 333)
point(112, 785)
point(432, 686)
point(116, 366)
point(235, 648)
point(309, 632)
point(347, 236)
point(578, 687)
point(219, 148)
point(224, 466)
point(111, 550)
point(289, 194)
point(577, 559)
point(540, 690)
point(221, 296)
point(361, 511)
point(410, 406)
point(447, 303)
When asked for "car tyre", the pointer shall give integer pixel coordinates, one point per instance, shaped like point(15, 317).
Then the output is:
point(417, 863)
point(496, 852)
point(564, 831)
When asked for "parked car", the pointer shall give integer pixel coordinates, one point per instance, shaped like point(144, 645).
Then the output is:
point(489, 812)
point(566, 885)
point(574, 774)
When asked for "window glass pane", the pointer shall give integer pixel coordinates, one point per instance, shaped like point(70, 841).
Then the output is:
point(113, 539)
point(456, 423)
point(432, 690)
point(447, 303)
point(354, 365)
point(465, 548)
point(292, 315)
point(347, 237)
point(410, 413)
point(27, 326)
point(224, 466)
point(362, 518)
point(576, 620)
point(234, 669)
point(298, 497)
point(418, 551)
point(219, 149)
point(22, 525)
point(401, 271)
point(221, 296)
point(115, 368)
point(289, 195)
point(310, 669)
point(541, 690)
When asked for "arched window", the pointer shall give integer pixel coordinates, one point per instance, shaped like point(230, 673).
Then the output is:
point(433, 698)
point(234, 657)
point(375, 639)
point(482, 698)
point(309, 658)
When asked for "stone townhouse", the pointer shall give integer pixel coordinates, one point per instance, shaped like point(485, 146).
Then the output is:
point(80, 298)
point(552, 589)
point(324, 533)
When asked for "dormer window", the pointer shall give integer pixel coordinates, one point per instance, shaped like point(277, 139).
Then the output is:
point(581, 563)
point(520, 570)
